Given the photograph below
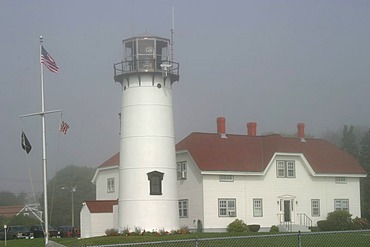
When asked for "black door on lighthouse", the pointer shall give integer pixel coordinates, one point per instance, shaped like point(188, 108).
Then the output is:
point(287, 210)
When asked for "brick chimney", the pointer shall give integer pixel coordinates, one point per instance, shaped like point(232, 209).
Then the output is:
point(300, 127)
point(252, 128)
point(221, 127)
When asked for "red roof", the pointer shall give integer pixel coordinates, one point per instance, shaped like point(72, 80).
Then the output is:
point(9, 211)
point(113, 161)
point(101, 206)
point(253, 153)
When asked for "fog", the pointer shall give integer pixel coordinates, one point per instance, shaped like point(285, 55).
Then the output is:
point(273, 62)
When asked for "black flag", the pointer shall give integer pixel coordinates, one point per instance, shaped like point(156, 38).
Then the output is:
point(25, 143)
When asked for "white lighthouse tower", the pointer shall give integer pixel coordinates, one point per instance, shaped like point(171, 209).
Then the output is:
point(148, 182)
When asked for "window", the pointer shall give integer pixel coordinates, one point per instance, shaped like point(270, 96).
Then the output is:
point(340, 180)
point(315, 207)
point(226, 178)
point(110, 185)
point(341, 204)
point(183, 208)
point(285, 169)
point(181, 170)
point(257, 208)
point(227, 207)
point(155, 178)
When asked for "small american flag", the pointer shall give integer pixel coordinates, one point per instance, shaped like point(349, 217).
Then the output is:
point(49, 62)
point(64, 127)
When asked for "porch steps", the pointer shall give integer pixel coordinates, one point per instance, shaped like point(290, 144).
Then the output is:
point(294, 228)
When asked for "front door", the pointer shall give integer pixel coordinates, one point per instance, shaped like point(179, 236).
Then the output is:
point(287, 210)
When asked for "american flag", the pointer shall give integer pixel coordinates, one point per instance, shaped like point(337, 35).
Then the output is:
point(64, 127)
point(49, 62)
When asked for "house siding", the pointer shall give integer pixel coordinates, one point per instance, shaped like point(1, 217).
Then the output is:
point(101, 222)
point(101, 184)
point(272, 190)
point(85, 222)
point(191, 189)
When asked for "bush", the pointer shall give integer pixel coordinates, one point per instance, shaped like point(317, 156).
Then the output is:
point(182, 230)
point(360, 223)
point(274, 228)
point(342, 220)
point(314, 229)
point(326, 225)
point(111, 232)
point(237, 226)
point(254, 228)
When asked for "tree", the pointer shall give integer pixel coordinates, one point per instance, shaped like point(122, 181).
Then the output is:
point(10, 199)
point(349, 141)
point(364, 159)
point(60, 201)
point(364, 154)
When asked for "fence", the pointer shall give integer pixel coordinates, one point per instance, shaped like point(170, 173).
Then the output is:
point(305, 239)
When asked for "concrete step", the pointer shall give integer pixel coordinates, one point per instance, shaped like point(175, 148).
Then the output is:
point(294, 228)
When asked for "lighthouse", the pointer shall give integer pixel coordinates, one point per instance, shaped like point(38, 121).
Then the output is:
point(147, 170)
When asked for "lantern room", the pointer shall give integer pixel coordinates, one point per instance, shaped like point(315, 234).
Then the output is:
point(146, 54)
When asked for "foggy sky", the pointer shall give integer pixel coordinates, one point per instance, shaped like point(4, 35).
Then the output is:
point(273, 62)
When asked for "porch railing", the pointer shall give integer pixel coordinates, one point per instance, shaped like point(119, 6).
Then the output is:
point(304, 219)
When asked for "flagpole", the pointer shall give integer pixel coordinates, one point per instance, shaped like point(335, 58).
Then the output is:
point(46, 220)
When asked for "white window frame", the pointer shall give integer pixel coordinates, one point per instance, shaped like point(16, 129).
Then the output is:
point(181, 170)
point(340, 180)
point(226, 178)
point(184, 208)
point(315, 207)
point(285, 169)
point(227, 207)
point(257, 207)
point(110, 185)
point(341, 204)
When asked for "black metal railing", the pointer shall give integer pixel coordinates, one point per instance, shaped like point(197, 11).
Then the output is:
point(146, 65)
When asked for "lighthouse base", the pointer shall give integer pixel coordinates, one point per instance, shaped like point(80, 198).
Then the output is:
point(148, 215)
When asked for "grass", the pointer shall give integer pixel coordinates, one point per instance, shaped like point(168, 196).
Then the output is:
point(209, 239)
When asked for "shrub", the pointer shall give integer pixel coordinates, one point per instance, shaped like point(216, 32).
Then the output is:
point(237, 226)
point(342, 220)
point(360, 223)
point(274, 228)
point(254, 228)
point(182, 230)
point(111, 232)
point(125, 231)
point(314, 229)
point(326, 225)
point(138, 230)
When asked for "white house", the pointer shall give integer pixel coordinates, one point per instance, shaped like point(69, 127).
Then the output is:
point(102, 214)
point(290, 182)
point(98, 216)
point(266, 180)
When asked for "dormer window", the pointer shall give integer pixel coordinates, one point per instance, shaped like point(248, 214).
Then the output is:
point(285, 169)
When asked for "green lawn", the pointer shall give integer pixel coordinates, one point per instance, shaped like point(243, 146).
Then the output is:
point(216, 239)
